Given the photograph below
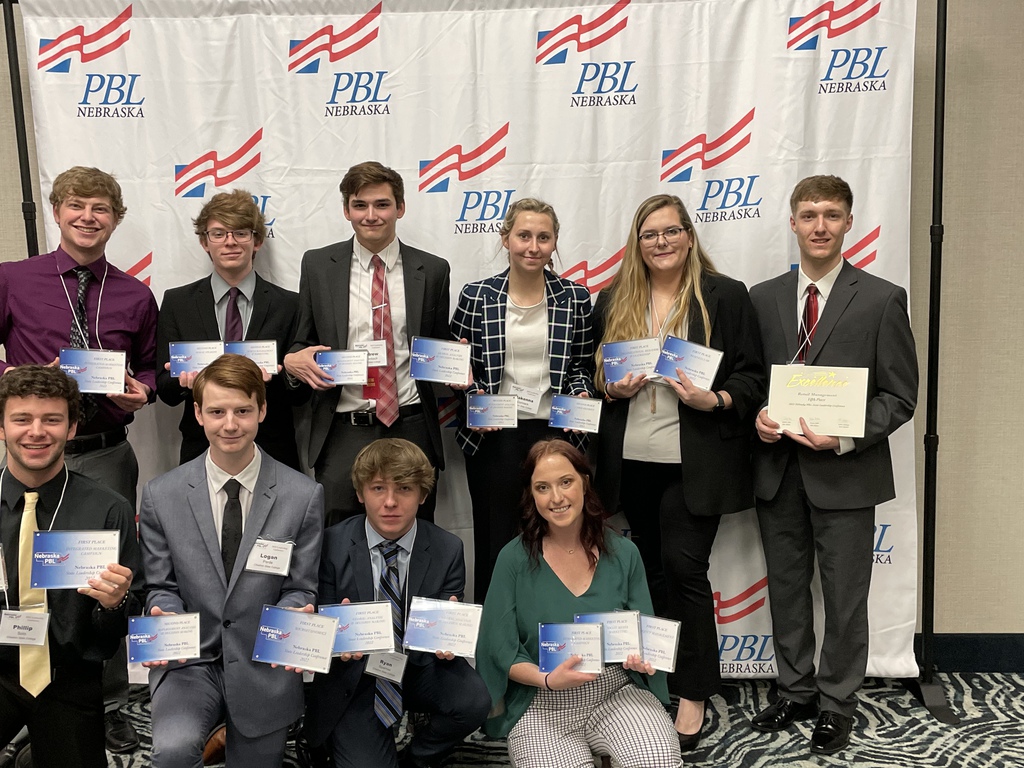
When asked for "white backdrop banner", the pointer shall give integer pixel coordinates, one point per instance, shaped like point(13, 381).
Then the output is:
point(591, 106)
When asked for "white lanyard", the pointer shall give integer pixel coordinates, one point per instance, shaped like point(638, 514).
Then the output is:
point(99, 304)
point(808, 334)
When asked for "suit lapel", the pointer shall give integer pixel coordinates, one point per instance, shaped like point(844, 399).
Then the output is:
point(206, 310)
point(695, 325)
point(359, 557)
point(419, 561)
point(843, 291)
point(415, 287)
point(199, 502)
point(786, 301)
point(340, 278)
point(263, 497)
point(494, 303)
point(260, 308)
point(559, 330)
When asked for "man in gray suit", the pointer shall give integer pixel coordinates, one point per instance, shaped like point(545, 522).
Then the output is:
point(370, 290)
point(816, 494)
point(198, 524)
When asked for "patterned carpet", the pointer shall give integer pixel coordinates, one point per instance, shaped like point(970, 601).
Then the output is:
point(891, 729)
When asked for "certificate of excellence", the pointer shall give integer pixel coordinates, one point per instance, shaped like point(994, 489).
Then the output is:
point(261, 352)
point(621, 633)
point(163, 638)
point(193, 356)
point(97, 371)
point(660, 639)
point(699, 363)
point(639, 356)
point(446, 362)
point(344, 366)
point(492, 410)
point(582, 413)
point(68, 559)
point(832, 400)
point(442, 625)
point(295, 639)
point(362, 627)
point(560, 641)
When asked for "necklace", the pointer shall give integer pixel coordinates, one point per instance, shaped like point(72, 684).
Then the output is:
point(567, 550)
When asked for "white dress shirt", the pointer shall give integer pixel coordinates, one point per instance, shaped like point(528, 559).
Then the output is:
point(405, 545)
point(217, 477)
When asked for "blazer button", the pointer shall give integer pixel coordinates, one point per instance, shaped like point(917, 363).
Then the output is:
point(227, 624)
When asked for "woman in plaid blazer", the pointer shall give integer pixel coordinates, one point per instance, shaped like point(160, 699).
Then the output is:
point(530, 333)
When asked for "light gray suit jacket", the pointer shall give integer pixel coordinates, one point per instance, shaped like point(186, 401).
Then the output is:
point(864, 324)
point(323, 319)
point(184, 572)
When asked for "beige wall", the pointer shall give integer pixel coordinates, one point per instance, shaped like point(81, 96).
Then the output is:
point(981, 471)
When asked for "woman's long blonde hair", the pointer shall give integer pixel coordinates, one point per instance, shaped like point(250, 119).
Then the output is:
point(630, 289)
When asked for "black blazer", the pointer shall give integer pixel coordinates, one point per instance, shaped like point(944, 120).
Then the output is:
point(323, 319)
point(714, 446)
point(188, 314)
point(437, 569)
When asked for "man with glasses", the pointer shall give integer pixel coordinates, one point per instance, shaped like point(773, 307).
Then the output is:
point(232, 304)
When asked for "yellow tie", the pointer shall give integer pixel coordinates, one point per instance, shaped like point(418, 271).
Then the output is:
point(35, 659)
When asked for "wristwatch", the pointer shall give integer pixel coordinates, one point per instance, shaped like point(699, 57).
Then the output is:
point(721, 402)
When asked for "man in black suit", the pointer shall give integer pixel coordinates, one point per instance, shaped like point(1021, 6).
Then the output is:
point(816, 494)
point(371, 290)
point(232, 304)
point(345, 710)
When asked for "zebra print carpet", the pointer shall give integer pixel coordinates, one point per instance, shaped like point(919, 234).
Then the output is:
point(891, 729)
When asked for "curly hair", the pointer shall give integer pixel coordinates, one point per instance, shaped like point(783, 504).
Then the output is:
point(40, 381)
point(80, 181)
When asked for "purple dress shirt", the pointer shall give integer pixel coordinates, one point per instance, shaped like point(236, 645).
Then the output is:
point(36, 317)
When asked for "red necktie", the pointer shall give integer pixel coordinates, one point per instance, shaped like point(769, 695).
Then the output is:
point(233, 319)
point(387, 380)
point(809, 323)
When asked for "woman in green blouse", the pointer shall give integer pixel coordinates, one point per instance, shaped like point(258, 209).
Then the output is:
point(567, 562)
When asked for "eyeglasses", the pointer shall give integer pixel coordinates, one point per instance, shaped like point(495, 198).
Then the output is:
point(671, 235)
point(220, 235)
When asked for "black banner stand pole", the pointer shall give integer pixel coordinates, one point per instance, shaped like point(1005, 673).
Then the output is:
point(28, 206)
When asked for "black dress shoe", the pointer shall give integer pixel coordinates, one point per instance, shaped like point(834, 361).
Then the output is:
point(831, 733)
point(121, 737)
point(782, 714)
point(689, 741)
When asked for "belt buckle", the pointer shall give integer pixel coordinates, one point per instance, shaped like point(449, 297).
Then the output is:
point(361, 418)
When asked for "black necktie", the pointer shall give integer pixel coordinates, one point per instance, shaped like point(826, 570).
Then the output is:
point(231, 528)
point(80, 334)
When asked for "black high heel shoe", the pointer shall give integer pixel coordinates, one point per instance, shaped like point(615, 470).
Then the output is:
point(689, 741)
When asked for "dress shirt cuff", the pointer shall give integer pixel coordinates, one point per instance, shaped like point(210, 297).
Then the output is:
point(846, 445)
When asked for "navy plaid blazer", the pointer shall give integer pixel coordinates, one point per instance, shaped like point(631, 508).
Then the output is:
point(480, 319)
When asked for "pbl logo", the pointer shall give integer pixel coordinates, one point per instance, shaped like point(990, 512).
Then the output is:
point(600, 83)
point(142, 638)
point(750, 654)
point(552, 646)
point(274, 634)
point(849, 70)
point(50, 558)
point(482, 210)
point(189, 177)
point(597, 277)
point(725, 198)
point(261, 203)
point(882, 550)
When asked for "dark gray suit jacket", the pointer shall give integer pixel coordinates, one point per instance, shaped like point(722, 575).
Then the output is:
point(864, 324)
point(187, 313)
point(181, 557)
point(323, 319)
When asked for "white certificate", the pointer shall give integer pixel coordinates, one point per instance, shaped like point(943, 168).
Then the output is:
point(344, 366)
point(68, 559)
point(638, 356)
point(581, 413)
point(362, 627)
point(442, 625)
point(621, 633)
point(492, 410)
point(97, 371)
point(831, 400)
point(699, 363)
point(189, 356)
point(660, 639)
point(446, 362)
point(163, 638)
point(261, 352)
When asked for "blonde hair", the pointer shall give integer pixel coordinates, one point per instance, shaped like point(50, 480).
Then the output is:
point(81, 181)
point(630, 288)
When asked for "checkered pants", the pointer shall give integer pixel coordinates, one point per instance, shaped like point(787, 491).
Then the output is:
point(609, 716)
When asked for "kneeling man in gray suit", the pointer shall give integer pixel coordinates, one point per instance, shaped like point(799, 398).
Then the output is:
point(816, 494)
point(387, 554)
point(198, 524)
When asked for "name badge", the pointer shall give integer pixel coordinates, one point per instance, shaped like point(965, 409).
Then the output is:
point(23, 627)
point(377, 350)
point(270, 557)
point(390, 666)
point(529, 398)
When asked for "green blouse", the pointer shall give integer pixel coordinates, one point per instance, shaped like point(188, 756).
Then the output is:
point(521, 596)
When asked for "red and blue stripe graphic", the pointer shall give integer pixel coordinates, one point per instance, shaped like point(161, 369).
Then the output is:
point(88, 45)
point(304, 55)
point(677, 164)
point(434, 174)
point(803, 30)
point(553, 44)
point(189, 178)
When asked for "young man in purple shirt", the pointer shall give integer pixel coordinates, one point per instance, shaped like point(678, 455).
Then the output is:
point(74, 297)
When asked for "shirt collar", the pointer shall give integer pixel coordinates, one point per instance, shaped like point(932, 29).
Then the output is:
point(374, 539)
point(49, 492)
point(824, 285)
point(389, 255)
point(247, 477)
point(65, 263)
point(220, 286)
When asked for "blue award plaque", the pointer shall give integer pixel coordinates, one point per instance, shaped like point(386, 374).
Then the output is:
point(295, 639)
point(68, 559)
point(580, 413)
point(163, 638)
point(446, 362)
point(560, 641)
